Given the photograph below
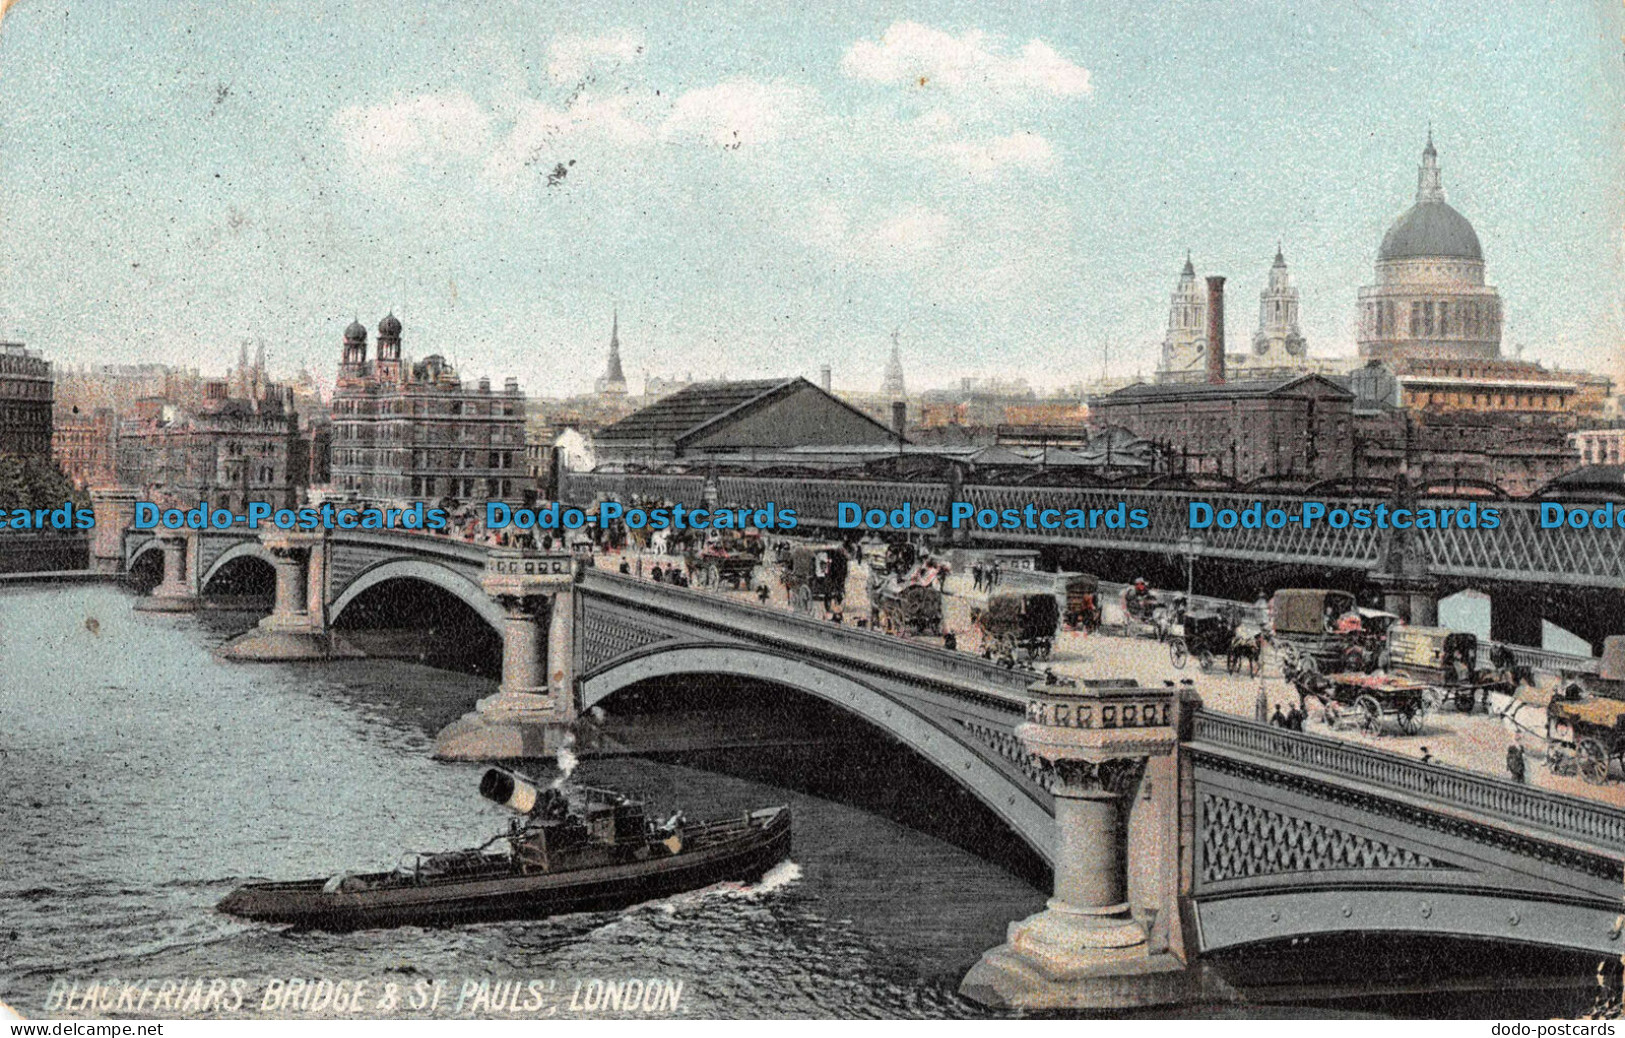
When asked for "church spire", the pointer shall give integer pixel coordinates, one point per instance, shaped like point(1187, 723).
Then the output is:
point(614, 381)
point(893, 385)
point(614, 374)
point(1429, 188)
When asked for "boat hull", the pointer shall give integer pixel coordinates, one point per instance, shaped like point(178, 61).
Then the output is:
point(516, 896)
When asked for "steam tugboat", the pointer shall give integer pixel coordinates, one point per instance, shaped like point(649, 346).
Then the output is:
point(590, 851)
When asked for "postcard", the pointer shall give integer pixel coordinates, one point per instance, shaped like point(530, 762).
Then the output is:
point(528, 511)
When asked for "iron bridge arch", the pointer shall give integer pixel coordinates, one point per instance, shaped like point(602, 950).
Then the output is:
point(965, 763)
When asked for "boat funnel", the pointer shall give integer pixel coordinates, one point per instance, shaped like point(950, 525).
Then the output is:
point(509, 790)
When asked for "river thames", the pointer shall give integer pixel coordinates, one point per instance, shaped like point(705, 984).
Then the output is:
point(144, 779)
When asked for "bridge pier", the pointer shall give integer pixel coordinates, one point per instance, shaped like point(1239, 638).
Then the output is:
point(114, 508)
point(297, 627)
point(1414, 599)
point(1516, 619)
point(1097, 944)
point(532, 712)
point(178, 592)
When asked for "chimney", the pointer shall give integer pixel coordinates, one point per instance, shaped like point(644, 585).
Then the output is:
point(899, 418)
point(823, 378)
point(1215, 329)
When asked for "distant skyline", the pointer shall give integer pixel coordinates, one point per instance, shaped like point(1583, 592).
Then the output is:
point(763, 190)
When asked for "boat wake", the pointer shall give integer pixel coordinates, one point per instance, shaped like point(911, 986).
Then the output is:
point(777, 878)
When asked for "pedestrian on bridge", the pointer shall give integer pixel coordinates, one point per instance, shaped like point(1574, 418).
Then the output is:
point(1516, 766)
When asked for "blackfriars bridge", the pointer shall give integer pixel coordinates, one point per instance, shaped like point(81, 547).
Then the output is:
point(1575, 578)
point(1173, 833)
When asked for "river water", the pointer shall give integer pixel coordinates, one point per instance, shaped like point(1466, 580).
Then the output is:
point(141, 779)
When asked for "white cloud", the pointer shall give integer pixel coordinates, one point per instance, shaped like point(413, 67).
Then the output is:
point(914, 231)
point(1021, 150)
point(1040, 68)
point(909, 52)
point(739, 113)
point(385, 139)
point(538, 126)
point(571, 58)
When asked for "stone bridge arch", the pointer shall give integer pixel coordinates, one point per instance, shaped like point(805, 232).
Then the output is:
point(148, 547)
point(965, 763)
point(243, 549)
point(447, 579)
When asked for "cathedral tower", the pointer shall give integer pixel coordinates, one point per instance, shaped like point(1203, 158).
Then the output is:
point(1184, 348)
point(1278, 342)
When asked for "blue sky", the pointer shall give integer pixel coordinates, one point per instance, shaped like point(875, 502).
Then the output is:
point(763, 188)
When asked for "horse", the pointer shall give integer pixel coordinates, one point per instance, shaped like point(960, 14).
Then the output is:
point(1245, 647)
point(1505, 662)
point(1526, 721)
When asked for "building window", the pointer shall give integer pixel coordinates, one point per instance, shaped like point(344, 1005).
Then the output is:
point(1416, 319)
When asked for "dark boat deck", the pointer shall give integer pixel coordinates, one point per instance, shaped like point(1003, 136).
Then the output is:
point(731, 850)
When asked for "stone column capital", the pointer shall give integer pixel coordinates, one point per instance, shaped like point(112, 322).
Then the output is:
point(520, 606)
point(527, 573)
point(1098, 722)
point(1107, 778)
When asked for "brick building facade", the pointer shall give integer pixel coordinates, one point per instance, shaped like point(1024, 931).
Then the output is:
point(415, 432)
point(1296, 429)
point(25, 402)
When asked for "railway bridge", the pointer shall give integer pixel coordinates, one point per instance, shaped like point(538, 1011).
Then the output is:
point(1173, 833)
point(1573, 577)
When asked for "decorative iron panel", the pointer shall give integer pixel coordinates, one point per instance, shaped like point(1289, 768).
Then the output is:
point(1240, 840)
point(607, 636)
point(1564, 816)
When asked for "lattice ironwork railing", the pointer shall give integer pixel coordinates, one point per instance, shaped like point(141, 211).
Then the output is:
point(1565, 816)
point(1517, 550)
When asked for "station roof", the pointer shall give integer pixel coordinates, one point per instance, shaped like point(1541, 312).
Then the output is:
point(691, 407)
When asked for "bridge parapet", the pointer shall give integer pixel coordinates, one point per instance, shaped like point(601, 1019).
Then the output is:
point(849, 645)
point(1559, 816)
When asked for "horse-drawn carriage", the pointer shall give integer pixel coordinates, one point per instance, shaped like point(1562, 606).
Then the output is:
point(1146, 613)
point(814, 572)
point(1585, 723)
point(1013, 622)
point(1587, 734)
point(730, 561)
point(1448, 661)
point(1365, 698)
point(1082, 592)
point(1205, 634)
point(1306, 629)
point(912, 603)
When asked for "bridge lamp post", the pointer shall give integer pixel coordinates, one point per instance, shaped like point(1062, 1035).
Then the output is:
point(1189, 547)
